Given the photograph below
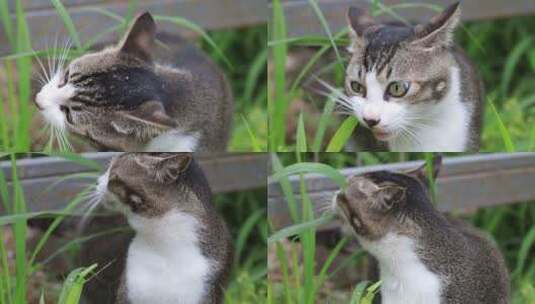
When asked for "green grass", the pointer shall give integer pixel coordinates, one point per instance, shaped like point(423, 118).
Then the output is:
point(241, 53)
point(502, 50)
point(512, 227)
point(244, 212)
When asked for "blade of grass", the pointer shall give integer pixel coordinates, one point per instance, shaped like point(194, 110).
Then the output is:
point(301, 135)
point(308, 240)
point(313, 60)
point(4, 128)
point(509, 146)
point(71, 291)
point(358, 292)
point(258, 67)
point(67, 21)
point(299, 228)
point(342, 135)
point(370, 293)
point(512, 61)
point(56, 222)
point(326, 28)
point(281, 256)
point(278, 107)
point(330, 259)
point(5, 275)
point(254, 141)
point(323, 124)
point(523, 253)
point(197, 29)
point(286, 187)
point(23, 44)
point(6, 21)
point(245, 232)
point(306, 167)
point(19, 230)
point(79, 159)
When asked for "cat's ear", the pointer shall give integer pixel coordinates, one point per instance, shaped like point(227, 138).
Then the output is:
point(140, 38)
point(358, 20)
point(422, 172)
point(391, 196)
point(150, 113)
point(166, 166)
point(439, 30)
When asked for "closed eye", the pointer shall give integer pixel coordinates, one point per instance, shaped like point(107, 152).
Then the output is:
point(65, 79)
point(67, 112)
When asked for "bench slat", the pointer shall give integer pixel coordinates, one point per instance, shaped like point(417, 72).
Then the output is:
point(301, 19)
point(44, 21)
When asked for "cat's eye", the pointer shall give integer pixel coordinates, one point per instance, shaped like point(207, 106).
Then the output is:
point(357, 88)
point(398, 88)
point(66, 76)
point(67, 111)
point(135, 202)
point(393, 196)
point(65, 79)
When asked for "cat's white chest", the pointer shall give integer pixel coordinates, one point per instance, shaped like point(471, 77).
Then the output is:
point(171, 271)
point(405, 279)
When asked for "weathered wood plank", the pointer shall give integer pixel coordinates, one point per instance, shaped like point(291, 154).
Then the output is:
point(301, 20)
point(225, 173)
point(44, 22)
point(464, 183)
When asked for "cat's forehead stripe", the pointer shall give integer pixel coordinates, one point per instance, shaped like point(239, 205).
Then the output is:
point(383, 45)
point(120, 86)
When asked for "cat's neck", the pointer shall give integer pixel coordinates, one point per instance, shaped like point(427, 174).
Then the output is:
point(405, 278)
point(165, 263)
point(447, 124)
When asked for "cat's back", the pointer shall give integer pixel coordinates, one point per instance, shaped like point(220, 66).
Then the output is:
point(473, 268)
point(208, 89)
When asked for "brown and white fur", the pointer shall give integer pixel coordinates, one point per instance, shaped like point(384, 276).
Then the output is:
point(439, 98)
point(140, 95)
point(181, 252)
point(424, 257)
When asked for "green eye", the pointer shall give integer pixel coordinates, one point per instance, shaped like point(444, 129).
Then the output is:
point(357, 88)
point(398, 88)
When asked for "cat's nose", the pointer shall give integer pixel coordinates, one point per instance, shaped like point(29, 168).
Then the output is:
point(372, 122)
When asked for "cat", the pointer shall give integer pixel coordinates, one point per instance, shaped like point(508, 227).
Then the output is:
point(411, 87)
point(181, 250)
point(140, 96)
point(424, 257)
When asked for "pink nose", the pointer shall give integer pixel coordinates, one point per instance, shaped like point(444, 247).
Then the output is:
point(371, 122)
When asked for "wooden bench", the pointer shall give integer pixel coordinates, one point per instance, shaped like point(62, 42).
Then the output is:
point(44, 21)
point(301, 19)
point(43, 190)
point(465, 183)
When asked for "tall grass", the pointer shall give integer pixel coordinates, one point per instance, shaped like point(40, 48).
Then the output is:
point(502, 51)
point(14, 279)
point(511, 227)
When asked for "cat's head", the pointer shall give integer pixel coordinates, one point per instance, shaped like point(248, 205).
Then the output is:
point(111, 94)
point(376, 203)
point(397, 72)
point(150, 185)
